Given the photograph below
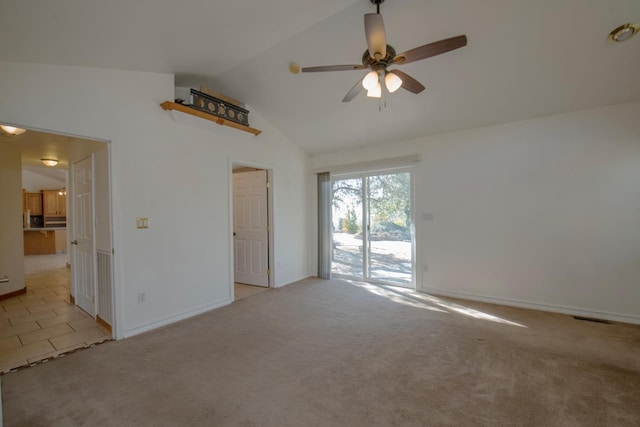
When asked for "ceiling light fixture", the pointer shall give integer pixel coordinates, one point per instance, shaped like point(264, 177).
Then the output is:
point(49, 162)
point(380, 57)
point(370, 80)
point(294, 68)
point(623, 33)
point(375, 92)
point(12, 130)
point(392, 82)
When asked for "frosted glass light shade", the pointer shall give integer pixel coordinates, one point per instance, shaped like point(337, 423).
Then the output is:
point(49, 162)
point(375, 92)
point(392, 82)
point(370, 80)
point(12, 130)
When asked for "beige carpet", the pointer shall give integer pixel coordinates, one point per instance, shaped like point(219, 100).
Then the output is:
point(244, 291)
point(328, 353)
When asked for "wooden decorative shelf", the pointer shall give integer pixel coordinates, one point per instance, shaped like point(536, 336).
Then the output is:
point(168, 105)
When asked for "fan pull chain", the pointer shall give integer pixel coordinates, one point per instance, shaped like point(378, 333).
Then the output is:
point(382, 102)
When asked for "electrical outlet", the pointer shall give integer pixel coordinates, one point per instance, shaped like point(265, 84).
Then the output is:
point(142, 222)
point(141, 297)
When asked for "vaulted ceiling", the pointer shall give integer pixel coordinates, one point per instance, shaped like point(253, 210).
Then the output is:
point(524, 59)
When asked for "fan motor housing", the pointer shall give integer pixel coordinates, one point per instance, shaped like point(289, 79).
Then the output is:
point(368, 61)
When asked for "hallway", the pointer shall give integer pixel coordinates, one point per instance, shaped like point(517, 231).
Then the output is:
point(43, 323)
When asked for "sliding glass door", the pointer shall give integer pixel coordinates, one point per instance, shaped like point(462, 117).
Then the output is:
point(348, 255)
point(372, 223)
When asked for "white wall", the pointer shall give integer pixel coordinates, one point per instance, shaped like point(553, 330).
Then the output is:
point(542, 213)
point(11, 220)
point(171, 169)
point(34, 182)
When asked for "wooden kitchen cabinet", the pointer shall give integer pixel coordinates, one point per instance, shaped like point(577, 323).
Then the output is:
point(49, 202)
point(33, 203)
point(39, 242)
point(61, 241)
point(51, 205)
point(62, 204)
point(54, 208)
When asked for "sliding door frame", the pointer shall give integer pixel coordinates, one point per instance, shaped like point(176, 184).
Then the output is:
point(366, 251)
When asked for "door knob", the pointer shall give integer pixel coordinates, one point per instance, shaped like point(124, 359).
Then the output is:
point(75, 242)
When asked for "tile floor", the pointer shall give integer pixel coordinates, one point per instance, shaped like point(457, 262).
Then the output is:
point(42, 323)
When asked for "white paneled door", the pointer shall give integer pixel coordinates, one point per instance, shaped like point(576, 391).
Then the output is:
point(82, 235)
point(251, 235)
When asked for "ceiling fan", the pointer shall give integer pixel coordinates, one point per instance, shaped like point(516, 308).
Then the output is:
point(379, 56)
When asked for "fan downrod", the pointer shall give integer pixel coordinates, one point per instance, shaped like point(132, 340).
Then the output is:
point(377, 3)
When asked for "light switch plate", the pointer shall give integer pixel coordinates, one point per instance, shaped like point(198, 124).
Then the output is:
point(142, 222)
point(427, 216)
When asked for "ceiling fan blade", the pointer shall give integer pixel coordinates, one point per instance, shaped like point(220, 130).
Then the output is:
point(408, 82)
point(376, 38)
point(355, 90)
point(332, 68)
point(431, 49)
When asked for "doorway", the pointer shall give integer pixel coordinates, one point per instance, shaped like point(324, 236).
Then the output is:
point(82, 173)
point(252, 237)
point(61, 322)
point(372, 219)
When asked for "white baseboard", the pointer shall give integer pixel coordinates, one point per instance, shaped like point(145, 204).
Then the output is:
point(187, 314)
point(572, 311)
point(176, 318)
point(293, 281)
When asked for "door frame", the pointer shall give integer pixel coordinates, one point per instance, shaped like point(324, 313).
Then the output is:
point(365, 221)
point(236, 163)
point(115, 291)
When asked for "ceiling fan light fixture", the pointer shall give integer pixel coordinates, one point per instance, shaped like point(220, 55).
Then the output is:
point(370, 80)
point(375, 92)
point(49, 162)
point(12, 130)
point(392, 82)
point(379, 56)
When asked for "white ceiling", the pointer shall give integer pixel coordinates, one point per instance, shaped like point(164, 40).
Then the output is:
point(37, 145)
point(524, 59)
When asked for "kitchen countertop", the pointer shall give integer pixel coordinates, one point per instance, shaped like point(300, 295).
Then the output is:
point(45, 229)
